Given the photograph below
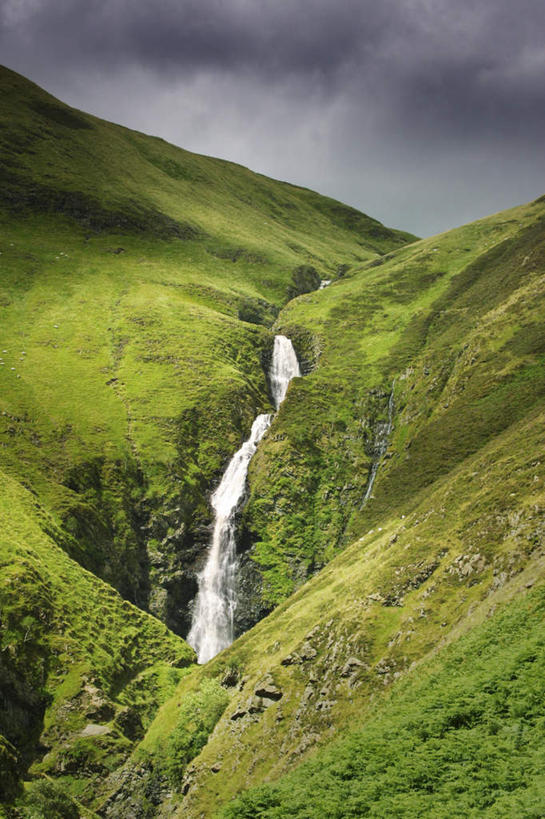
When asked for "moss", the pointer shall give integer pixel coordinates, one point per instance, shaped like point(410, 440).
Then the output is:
point(10, 767)
point(195, 721)
point(46, 799)
point(72, 650)
point(304, 279)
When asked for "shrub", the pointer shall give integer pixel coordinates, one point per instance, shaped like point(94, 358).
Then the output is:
point(197, 716)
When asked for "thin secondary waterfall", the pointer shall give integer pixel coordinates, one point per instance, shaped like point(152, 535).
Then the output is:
point(212, 624)
point(383, 436)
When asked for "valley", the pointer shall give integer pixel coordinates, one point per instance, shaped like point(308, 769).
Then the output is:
point(388, 582)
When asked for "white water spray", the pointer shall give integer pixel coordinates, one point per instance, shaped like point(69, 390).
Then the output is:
point(212, 626)
point(284, 367)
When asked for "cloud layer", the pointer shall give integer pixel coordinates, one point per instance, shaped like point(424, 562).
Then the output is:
point(423, 113)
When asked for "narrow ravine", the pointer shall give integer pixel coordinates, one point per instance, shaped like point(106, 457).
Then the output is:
point(382, 440)
point(212, 626)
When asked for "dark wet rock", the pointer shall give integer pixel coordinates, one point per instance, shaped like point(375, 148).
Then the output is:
point(96, 705)
point(416, 575)
point(230, 678)
point(325, 705)
point(269, 691)
point(129, 722)
point(189, 778)
point(257, 705)
point(291, 659)
point(240, 712)
point(266, 693)
point(131, 788)
point(250, 607)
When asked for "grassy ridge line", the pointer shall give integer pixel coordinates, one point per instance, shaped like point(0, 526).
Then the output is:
point(409, 318)
point(122, 172)
point(73, 653)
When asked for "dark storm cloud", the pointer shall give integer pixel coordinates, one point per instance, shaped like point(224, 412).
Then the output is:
point(379, 103)
point(267, 36)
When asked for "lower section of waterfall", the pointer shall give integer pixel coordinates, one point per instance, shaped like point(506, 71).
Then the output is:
point(212, 626)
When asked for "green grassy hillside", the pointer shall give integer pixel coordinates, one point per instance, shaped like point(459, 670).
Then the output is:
point(138, 285)
point(452, 533)
point(451, 325)
point(400, 669)
point(81, 670)
point(463, 738)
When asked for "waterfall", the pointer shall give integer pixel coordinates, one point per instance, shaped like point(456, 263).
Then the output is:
point(212, 623)
point(284, 367)
point(382, 439)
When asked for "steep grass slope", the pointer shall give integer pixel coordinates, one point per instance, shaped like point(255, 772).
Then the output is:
point(463, 738)
point(138, 283)
point(451, 535)
point(450, 329)
point(81, 670)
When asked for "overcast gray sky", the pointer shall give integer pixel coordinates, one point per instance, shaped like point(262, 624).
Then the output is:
point(423, 113)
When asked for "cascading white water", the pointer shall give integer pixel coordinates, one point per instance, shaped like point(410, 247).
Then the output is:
point(212, 625)
point(213, 614)
point(284, 367)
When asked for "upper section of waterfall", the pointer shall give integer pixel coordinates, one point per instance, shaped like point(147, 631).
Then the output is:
point(284, 367)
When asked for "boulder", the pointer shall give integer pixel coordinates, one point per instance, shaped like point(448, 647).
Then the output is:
point(268, 691)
